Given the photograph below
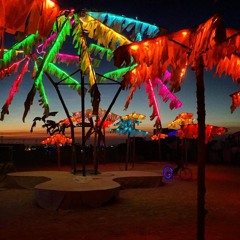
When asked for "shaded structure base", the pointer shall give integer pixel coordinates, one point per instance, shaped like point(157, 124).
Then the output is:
point(62, 190)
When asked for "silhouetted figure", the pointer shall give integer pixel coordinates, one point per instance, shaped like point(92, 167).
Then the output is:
point(180, 157)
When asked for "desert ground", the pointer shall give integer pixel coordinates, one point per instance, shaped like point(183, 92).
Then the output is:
point(165, 212)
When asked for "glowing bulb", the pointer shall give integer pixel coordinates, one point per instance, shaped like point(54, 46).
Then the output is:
point(134, 47)
point(183, 72)
point(50, 3)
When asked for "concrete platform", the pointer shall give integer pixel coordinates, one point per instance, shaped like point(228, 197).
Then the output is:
point(64, 190)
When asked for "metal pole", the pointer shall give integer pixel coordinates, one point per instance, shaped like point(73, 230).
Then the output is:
point(102, 121)
point(73, 159)
point(83, 126)
point(201, 150)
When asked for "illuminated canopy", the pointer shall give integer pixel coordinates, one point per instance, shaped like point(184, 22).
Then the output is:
point(191, 131)
point(57, 139)
point(182, 119)
point(235, 100)
point(127, 125)
point(29, 16)
point(176, 51)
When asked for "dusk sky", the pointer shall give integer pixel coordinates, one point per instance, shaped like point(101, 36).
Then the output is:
point(173, 15)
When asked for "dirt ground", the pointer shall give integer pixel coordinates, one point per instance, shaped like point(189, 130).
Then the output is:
point(166, 212)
